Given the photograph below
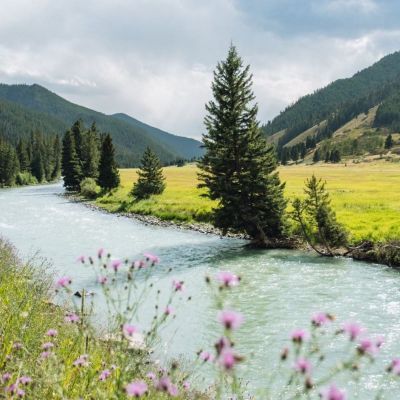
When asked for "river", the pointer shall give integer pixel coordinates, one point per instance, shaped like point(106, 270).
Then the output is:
point(279, 289)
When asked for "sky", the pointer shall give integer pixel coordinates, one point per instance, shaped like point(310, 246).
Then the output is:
point(154, 59)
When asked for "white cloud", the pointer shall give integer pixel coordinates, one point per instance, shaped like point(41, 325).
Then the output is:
point(364, 6)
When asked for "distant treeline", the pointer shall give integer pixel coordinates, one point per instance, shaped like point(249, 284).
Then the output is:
point(29, 161)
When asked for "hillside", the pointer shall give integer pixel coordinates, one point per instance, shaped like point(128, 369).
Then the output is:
point(25, 108)
point(365, 89)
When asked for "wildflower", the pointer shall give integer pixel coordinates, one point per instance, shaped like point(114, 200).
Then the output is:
point(116, 265)
point(128, 330)
point(6, 377)
point(206, 356)
point(136, 388)
point(151, 375)
point(12, 389)
point(47, 345)
point(228, 279)
point(395, 366)
point(24, 380)
point(152, 258)
point(169, 310)
point(379, 341)
point(230, 319)
point(100, 253)
point(320, 319)
point(352, 329)
point(367, 346)
point(17, 346)
point(82, 361)
point(165, 385)
point(228, 359)
point(45, 354)
point(81, 259)
point(302, 365)
point(139, 264)
point(71, 317)
point(186, 385)
point(300, 336)
point(222, 344)
point(64, 281)
point(333, 393)
point(284, 354)
point(52, 333)
point(104, 375)
point(102, 280)
point(178, 285)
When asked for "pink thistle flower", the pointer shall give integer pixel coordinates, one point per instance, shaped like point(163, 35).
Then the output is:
point(186, 385)
point(102, 280)
point(104, 375)
point(333, 393)
point(222, 344)
point(367, 346)
point(165, 385)
point(206, 356)
point(128, 330)
point(152, 258)
point(300, 336)
point(6, 377)
point(52, 333)
point(116, 264)
point(100, 252)
point(64, 281)
point(139, 264)
point(20, 393)
point(45, 354)
point(24, 380)
point(169, 310)
point(379, 341)
point(81, 259)
point(136, 389)
point(47, 345)
point(230, 319)
point(320, 319)
point(352, 329)
point(302, 365)
point(82, 361)
point(395, 366)
point(71, 318)
point(17, 346)
point(178, 285)
point(228, 279)
point(151, 376)
point(12, 389)
point(227, 358)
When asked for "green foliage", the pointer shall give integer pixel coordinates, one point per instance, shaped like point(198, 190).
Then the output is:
point(151, 179)
point(71, 167)
point(89, 188)
point(25, 108)
point(9, 165)
point(388, 113)
point(317, 219)
point(91, 152)
point(238, 167)
point(25, 178)
point(389, 142)
point(108, 172)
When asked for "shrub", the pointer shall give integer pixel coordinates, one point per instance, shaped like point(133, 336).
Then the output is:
point(89, 188)
point(25, 178)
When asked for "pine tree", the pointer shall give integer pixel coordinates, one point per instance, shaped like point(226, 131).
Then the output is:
point(238, 168)
point(90, 153)
point(317, 156)
point(70, 165)
point(108, 172)
point(9, 165)
point(150, 178)
point(327, 156)
point(37, 161)
point(389, 142)
point(76, 130)
point(23, 157)
point(56, 170)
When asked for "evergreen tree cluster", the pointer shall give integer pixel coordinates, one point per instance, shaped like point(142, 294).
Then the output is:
point(388, 113)
point(88, 154)
point(238, 169)
point(296, 152)
point(37, 159)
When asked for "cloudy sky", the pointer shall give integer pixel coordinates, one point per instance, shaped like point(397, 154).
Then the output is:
point(153, 59)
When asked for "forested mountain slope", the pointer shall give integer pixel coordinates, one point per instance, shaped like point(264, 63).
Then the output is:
point(24, 108)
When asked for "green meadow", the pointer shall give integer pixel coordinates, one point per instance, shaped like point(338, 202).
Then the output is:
point(365, 196)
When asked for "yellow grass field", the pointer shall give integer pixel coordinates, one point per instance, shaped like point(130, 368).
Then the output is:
point(365, 196)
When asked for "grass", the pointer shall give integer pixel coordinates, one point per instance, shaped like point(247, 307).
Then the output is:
point(365, 196)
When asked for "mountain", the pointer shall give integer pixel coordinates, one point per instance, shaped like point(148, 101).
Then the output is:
point(24, 108)
point(372, 94)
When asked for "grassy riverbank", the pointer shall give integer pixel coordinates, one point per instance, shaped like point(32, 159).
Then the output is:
point(31, 366)
point(365, 196)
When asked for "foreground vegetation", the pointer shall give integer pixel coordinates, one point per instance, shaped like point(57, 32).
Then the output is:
point(365, 196)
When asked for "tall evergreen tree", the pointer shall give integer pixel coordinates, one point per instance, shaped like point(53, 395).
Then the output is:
point(71, 168)
point(238, 168)
point(90, 153)
point(9, 165)
point(23, 157)
point(151, 179)
point(389, 142)
point(56, 170)
point(108, 172)
point(77, 132)
point(316, 156)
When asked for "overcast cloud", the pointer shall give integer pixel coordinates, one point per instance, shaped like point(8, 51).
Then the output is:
point(153, 59)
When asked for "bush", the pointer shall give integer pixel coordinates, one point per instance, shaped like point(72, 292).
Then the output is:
point(25, 178)
point(89, 188)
